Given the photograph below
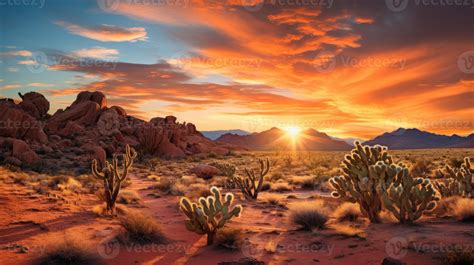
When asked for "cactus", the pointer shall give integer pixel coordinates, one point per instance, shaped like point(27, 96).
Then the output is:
point(112, 177)
point(359, 182)
point(458, 181)
point(227, 170)
point(209, 214)
point(407, 198)
point(251, 185)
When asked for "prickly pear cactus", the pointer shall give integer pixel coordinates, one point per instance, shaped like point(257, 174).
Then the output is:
point(408, 198)
point(361, 181)
point(209, 214)
point(458, 182)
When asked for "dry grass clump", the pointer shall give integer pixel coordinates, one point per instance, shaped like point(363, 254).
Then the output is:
point(128, 197)
point(281, 187)
point(421, 168)
point(170, 186)
point(229, 238)
point(308, 215)
point(271, 198)
point(68, 251)
point(100, 209)
point(458, 255)
point(198, 190)
point(463, 210)
point(305, 182)
point(140, 228)
point(347, 212)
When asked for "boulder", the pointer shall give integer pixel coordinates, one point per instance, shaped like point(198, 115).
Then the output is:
point(99, 154)
point(85, 113)
point(109, 123)
point(35, 104)
point(22, 151)
point(17, 123)
point(205, 171)
point(120, 111)
point(97, 97)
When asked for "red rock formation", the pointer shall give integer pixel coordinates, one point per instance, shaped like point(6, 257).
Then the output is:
point(16, 123)
point(88, 129)
point(35, 104)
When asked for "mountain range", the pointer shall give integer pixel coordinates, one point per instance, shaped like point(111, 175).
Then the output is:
point(277, 139)
point(415, 139)
point(312, 140)
point(213, 135)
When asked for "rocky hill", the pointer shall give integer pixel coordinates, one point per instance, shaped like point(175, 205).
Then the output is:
point(89, 129)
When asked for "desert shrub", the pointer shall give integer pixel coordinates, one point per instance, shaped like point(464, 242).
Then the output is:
point(276, 176)
point(347, 212)
point(199, 190)
point(281, 187)
point(455, 162)
point(306, 182)
point(68, 251)
point(421, 168)
point(227, 170)
point(458, 255)
point(140, 228)
point(308, 215)
point(128, 197)
point(229, 238)
point(463, 210)
point(271, 198)
point(101, 210)
point(266, 186)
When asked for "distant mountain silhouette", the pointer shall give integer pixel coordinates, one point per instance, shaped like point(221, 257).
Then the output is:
point(277, 139)
point(415, 139)
point(213, 135)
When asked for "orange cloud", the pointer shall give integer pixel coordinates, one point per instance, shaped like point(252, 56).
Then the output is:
point(106, 33)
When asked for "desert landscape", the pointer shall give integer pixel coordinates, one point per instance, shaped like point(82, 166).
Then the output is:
point(236, 132)
point(85, 196)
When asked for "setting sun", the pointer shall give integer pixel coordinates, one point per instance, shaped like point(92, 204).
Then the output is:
point(293, 132)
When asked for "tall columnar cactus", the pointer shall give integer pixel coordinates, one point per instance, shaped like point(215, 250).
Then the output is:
point(209, 214)
point(251, 185)
point(407, 198)
point(458, 182)
point(113, 177)
point(360, 181)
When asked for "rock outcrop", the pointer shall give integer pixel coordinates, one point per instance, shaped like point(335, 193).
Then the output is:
point(89, 129)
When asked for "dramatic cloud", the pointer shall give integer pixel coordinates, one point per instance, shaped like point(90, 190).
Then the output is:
point(386, 69)
point(106, 33)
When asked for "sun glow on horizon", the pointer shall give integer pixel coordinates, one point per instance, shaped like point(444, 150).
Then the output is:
point(293, 132)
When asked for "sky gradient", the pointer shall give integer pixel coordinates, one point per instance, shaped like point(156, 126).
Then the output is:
point(348, 68)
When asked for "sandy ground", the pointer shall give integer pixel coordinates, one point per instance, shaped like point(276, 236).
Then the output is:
point(31, 220)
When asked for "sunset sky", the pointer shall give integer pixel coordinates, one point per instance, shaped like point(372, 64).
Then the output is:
point(348, 68)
